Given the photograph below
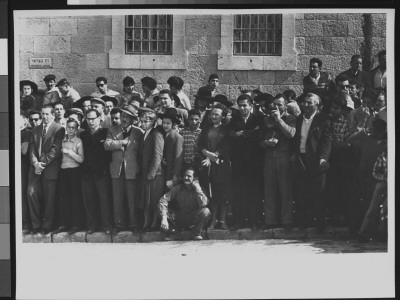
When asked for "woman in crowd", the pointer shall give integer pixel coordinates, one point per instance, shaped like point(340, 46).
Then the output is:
point(173, 157)
point(28, 89)
point(215, 146)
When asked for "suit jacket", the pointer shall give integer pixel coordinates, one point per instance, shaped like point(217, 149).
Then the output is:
point(48, 151)
point(319, 140)
point(173, 154)
point(124, 155)
point(151, 153)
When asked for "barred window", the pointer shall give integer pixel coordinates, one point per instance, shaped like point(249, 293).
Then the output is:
point(257, 35)
point(148, 34)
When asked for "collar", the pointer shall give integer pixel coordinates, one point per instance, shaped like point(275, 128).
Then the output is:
point(311, 118)
point(73, 140)
point(48, 124)
point(126, 130)
point(316, 77)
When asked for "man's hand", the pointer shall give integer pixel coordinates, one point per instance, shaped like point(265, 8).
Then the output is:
point(66, 151)
point(164, 223)
point(125, 141)
point(239, 133)
point(276, 115)
point(196, 184)
point(169, 184)
point(206, 162)
point(150, 177)
point(323, 162)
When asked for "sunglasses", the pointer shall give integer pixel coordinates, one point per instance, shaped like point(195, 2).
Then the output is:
point(99, 85)
point(35, 120)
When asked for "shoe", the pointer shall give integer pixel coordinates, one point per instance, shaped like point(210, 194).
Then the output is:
point(135, 229)
point(223, 226)
point(198, 237)
point(60, 229)
point(117, 230)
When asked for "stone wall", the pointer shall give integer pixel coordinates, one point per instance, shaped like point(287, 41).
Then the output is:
point(79, 47)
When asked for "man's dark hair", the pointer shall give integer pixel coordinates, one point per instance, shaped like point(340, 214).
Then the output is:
point(354, 82)
point(101, 79)
point(49, 106)
point(381, 53)
point(221, 107)
point(191, 168)
point(257, 92)
point(128, 81)
point(355, 57)
point(245, 91)
point(71, 120)
point(194, 112)
point(316, 60)
point(279, 95)
point(212, 76)
point(115, 110)
point(34, 112)
point(341, 78)
point(93, 110)
point(290, 95)
point(57, 103)
point(150, 82)
point(167, 91)
point(175, 82)
point(243, 97)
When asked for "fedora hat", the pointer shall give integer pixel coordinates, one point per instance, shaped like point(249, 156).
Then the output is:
point(109, 98)
point(171, 113)
point(33, 85)
point(130, 110)
point(79, 103)
point(98, 100)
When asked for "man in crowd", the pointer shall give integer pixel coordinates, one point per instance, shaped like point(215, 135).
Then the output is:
point(189, 210)
point(128, 91)
point(45, 157)
point(149, 87)
point(362, 117)
point(115, 116)
point(110, 102)
point(101, 84)
point(191, 137)
point(316, 81)
point(312, 147)
point(212, 86)
point(96, 185)
point(59, 113)
point(278, 130)
point(52, 94)
point(175, 85)
point(246, 170)
point(378, 74)
point(166, 98)
point(99, 105)
point(357, 73)
point(35, 118)
point(68, 94)
point(124, 143)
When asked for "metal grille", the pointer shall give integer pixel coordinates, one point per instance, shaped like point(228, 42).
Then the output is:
point(257, 35)
point(150, 34)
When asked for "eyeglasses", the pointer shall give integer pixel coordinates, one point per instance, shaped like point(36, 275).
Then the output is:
point(91, 119)
point(99, 85)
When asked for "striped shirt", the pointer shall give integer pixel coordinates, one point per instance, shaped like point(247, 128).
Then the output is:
point(190, 140)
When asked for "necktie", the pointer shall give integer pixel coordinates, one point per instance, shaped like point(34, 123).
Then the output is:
point(44, 132)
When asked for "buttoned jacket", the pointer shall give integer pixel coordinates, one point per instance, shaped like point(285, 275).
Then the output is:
point(127, 155)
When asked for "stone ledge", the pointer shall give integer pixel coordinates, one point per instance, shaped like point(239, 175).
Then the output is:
point(330, 232)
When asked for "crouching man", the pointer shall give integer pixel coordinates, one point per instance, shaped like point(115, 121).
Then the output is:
point(184, 206)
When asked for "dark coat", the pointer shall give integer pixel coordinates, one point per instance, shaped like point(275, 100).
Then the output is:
point(151, 153)
point(48, 152)
point(319, 140)
point(173, 155)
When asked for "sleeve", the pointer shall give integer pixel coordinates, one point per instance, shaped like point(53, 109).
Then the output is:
point(166, 199)
point(158, 153)
point(55, 150)
point(31, 149)
point(326, 140)
point(288, 127)
point(202, 142)
point(202, 199)
point(225, 146)
point(178, 159)
point(112, 144)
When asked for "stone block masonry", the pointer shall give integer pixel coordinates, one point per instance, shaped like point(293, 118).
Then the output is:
point(80, 46)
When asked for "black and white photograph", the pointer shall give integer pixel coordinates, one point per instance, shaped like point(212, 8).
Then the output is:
point(219, 153)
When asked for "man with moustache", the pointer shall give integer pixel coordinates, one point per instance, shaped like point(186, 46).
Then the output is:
point(190, 211)
point(124, 143)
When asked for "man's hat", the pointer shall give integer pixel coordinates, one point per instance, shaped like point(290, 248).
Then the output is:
point(49, 77)
point(223, 100)
point(146, 109)
point(130, 110)
point(79, 103)
point(171, 113)
point(33, 85)
point(62, 82)
point(204, 93)
point(109, 98)
point(98, 100)
point(77, 111)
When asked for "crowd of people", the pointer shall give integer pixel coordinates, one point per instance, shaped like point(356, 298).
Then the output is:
point(148, 161)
